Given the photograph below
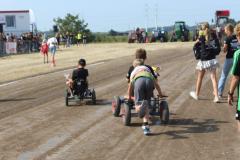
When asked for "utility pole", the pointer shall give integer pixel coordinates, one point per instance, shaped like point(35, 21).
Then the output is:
point(156, 17)
point(147, 17)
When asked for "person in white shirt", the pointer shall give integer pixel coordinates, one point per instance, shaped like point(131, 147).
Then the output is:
point(52, 43)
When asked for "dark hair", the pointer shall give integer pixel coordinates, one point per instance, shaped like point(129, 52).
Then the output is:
point(230, 27)
point(141, 54)
point(82, 62)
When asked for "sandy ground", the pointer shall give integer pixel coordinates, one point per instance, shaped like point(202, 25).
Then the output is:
point(20, 66)
point(35, 124)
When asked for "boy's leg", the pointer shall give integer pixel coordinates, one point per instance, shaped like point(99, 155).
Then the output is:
point(225, 71)
point(141, 92)
point(139, 86)
point(199, 81)
point(214, 82)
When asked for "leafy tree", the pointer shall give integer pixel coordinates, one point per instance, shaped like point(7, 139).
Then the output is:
point(72, 24)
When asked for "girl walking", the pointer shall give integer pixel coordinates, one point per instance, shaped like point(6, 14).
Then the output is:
point(209, 48)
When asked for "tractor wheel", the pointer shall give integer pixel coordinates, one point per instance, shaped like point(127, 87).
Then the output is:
point(116, 106)
point(182, 38)
point(127, 115)
point(93, 97)
point(164, 112)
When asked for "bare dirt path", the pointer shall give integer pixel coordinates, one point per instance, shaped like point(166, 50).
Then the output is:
point(35, 124)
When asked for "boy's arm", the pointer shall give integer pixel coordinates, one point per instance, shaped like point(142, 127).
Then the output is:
point(158, 88)
point(225, 46)
point(233, 85)
point(73, 75)
point(235, 79)
point(130, 87)
point(129, 73)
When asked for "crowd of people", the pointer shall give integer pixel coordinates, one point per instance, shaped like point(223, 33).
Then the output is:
point(26, 42)
point(206, 48)
point(52, 44)
point(142, 79)
point(29, 42)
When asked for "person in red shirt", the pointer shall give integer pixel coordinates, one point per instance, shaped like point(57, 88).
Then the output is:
point(44, 50)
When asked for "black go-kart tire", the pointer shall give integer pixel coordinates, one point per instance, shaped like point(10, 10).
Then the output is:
point(164, 112)
point(66, 98)
point(127, 115)
point(93, 97)
point(116, 106)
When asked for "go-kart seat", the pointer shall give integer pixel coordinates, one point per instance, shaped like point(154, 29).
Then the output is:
point(80, 86)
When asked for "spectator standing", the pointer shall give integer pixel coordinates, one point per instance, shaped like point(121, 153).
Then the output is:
point(209, 47)
point(230, 46)
point(58, 39)
point(79, 38)
point(235, 83)
point(84, 39)
point(44, 51)
point(52, 43)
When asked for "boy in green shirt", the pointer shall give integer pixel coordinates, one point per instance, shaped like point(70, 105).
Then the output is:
point(235, 77)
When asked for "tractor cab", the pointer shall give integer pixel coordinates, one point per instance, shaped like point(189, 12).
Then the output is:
point(221, 19)
point(160, 34)
point(180, 31)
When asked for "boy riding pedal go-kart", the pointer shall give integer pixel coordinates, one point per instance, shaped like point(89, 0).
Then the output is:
point(142, 82)
point(78, 85)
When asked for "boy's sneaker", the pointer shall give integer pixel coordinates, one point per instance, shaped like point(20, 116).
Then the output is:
point(216, 99)
point(146, 130)
point(193, 95)
point(143, 109)
point(220, 96)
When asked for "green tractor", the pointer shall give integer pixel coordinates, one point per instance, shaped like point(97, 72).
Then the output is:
point(180, 32)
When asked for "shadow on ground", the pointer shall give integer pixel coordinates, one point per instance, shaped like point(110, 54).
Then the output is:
point(190, 126)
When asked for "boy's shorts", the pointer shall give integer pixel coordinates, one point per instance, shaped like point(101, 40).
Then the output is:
point(143, 89)
point(53, 50)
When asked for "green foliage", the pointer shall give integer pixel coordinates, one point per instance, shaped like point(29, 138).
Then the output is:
point(71, 24)
point(106, 38)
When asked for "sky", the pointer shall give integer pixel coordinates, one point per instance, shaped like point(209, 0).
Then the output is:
point(122, 15)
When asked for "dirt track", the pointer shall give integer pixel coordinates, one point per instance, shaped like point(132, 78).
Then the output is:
point(35, 124)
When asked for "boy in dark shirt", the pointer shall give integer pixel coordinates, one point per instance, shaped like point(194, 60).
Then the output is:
point(230, 46)
point(142, 54)
point(79, 74)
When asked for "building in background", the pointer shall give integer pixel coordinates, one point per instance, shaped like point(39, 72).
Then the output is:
point(17, 22)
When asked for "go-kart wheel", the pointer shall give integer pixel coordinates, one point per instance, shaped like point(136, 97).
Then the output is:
point(164, 112)
point(93, 96)
point(66, 98)
point(127, 115)
point(116, 106)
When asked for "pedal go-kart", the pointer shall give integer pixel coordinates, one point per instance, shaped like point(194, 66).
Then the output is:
point(80, 92)
point(123, 107)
